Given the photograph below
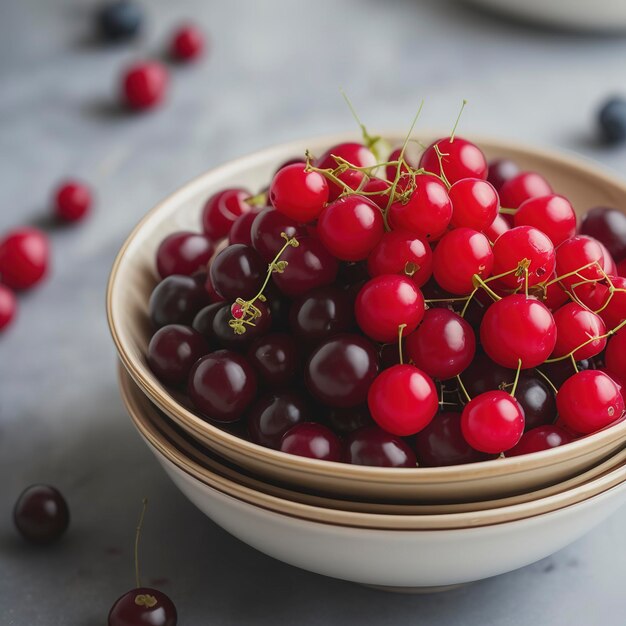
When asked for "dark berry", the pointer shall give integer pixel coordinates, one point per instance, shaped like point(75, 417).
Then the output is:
point(41, 514)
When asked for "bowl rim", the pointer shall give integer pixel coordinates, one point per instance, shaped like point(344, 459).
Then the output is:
point(194, 424)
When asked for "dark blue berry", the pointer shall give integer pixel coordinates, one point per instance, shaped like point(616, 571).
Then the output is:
point(120, 20)
point(612, 120)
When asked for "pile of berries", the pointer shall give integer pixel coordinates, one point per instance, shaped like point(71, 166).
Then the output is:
point(425, 310)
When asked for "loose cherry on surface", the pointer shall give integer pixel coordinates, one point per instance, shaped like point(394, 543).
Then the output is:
point(177, 300)
point(24, 258)
point(443, 345)
point(492, 422)
point(608, 226)
point(501, 170)
point(298, 193)
point(72, 201)
point(459, 255)
point(8, 306)
point(119, 20)
point(375, 447)
point(402, 400)
point(222, 209)
point(475, 203)
point(517, 327)
point(576, 326)
point(41, 514)
point(553, 215)
point(275, 359)
point(238, 271)
point(385, 303)
point(222, 385)
point(266, 232)
point(589, 401)
point(184, 253)
point(187, 43)
point(541, 438)
point(144, 85)
point(350, 227)
point(522, 187)
point(460, 159)
point(354, 153)
point(312, 440)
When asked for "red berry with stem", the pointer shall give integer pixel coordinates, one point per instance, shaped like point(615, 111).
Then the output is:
point(241, 230)
point(459, 159)
point(443, 345)
point(377, 190)
point(475, 203)
point(553, 215)
point(554, 296)
point(427, 212)
point(608, 226)
point(238, 271)
point(183, 253)
point(267, 229)
point(24, 257)
point(522, 187)
point(410, 157)
point(501, 170)
point(8, 306)
point(492, 422)
point(72, 201)
point(541, 438)
point(610, 304)
point(351, 227)
point(298, 193)
point(459, 255)
point(520, 249)
point(576, 328)
point(144, 85)
point(588, 401)
point(517, 327)
point(498, 227)
point(312, 440)
point(615, 356)
point(402, 400)
point(578, 259)
point(374, 447)
point(401, 252)
point(387, 302)
point(187, 43)
point(222, 209)
point(354, 153)
point(41, 514)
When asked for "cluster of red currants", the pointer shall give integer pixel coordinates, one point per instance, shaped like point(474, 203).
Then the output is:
point(431, 309)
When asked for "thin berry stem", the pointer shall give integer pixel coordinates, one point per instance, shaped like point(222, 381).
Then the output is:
point(400, 331)
point(547, 380)
point(517, 373)
point(137, 536)
point(477, 279)
point(462, 386)
point(458, 119)
point(507, 211)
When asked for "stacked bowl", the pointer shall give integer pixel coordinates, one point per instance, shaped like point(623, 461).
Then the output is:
point(414, 528)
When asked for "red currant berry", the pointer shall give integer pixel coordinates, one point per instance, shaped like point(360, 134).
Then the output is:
point(402, 400)
point(351, 227)
point(299, 194)
point(427, 212)
point(576, 326)
point(267, 229)
point(354, 153)
point(554, 296)
point(576, 253)
point(187, 43)
point(241, 230)
point(143, 606)
point(615, 356)
point(72, 201)
point(553, 215)
point(312, 440)
point(400, 252)
point(522, 187)
point(183, 253)
point(377, 190)
point(387, 302)
point(541, 438)
point(8, 306)
point(609, 227)
point(521, 247)
point(459, 159)
point(498, 227)
point(374, 447)
point(411, 157)
point(41, 514)
point(475, 203)
point(222, 209)
point(492, 422)
point(598, 297)
point(459, 255)
point(144, 85)
point(517, 327)
point(24, 258)
point(500, 171)
point(588, 401)
point(443, 345)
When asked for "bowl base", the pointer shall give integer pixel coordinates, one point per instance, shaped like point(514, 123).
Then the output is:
point(416, 590)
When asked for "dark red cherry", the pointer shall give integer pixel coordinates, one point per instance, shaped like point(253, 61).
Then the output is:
point(143, 607)
point(483, 374)
point(222, 209)
point(275, 358)
point(176, 300)
point(373, 446)
point(225, 334)
point(536, 398)
point(238, 271)
point(241, 230)
point(541, 438)
point(183, 253)
point(266, 232)
point(608, 226)
point(203, 321)
point(312, 440)
point(343, 421)
point(459, 159)
point(501, 170)
point(41, 514)
point(354, 153)
point(579, 332)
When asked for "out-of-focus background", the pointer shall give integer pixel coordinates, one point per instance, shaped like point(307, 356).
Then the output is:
point(272, 73)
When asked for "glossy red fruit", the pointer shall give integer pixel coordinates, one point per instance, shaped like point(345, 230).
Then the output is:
point(400, 252)
point(8, 306)
point(608, 262)
point(238, 271)
point(187, 43)
point(522, 187)
point(222, 209)
point(517, 327)
point(144, 85)
point(374, 447)
point(615, 356)
point(475, 203)
point(553, 215)
point(177, 300)
point(589, 401)
point(402, 400)
point(355, 154)
point(24, 256)
point(143, 606)
point(183, 253)
point(501, 170)
point(608, 226)
point(498, 227)
point(267, 229)
point(492, 422)
point(577, 326)
point(377, 190)
point(241, 230)
point(443, 345)
point(577, 253)
point(386, 302)
point(523, 246)
point(411, 157)
point(554, 296)
point(460, 159)
point(459, 255)
point(351, 227)
point(621, 268)
point(312, 440)
point(541, 438)
point(72, 201)
point(299, 194)
point(275, 358)
point(611, 307)
point(441, 443)
point(41, 514)
point(427, 213)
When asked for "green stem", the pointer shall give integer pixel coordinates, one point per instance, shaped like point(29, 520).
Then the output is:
point(400, 330)
point(519, 369)
point(137, 535)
